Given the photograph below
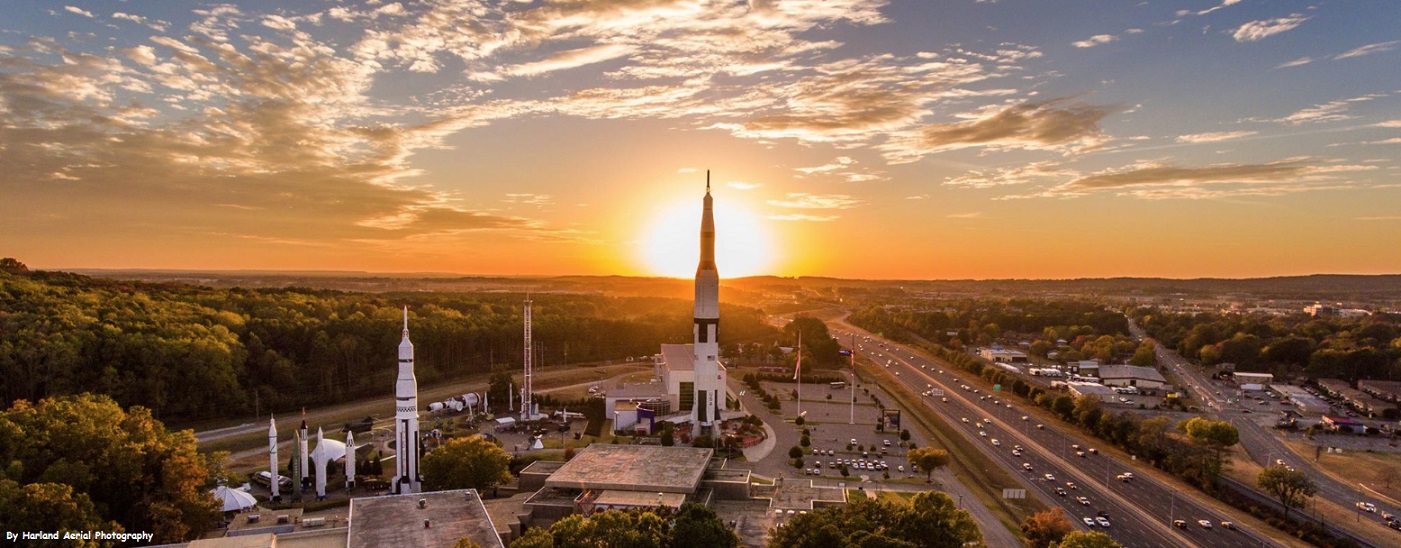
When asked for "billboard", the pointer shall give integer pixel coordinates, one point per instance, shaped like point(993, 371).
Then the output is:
point(890, 418)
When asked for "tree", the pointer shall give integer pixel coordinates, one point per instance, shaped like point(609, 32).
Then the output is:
point(697, 526)
point(805, 441)
point(795, 452)
point(1291, 487)
point(931, 519)
point(465, 463)
point(49, 507)
point(608, 529)
point(124, 463)
point(1083, 539)
point(1217, 435)
point(928, 459)
point(905, 435)
point(1145, 355)
point(800, 420)
point(499, 388)
point(466, 542)
point(10, 265)
point(1045, 528)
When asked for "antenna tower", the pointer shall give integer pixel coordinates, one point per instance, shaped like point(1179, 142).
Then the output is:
point(526, 387)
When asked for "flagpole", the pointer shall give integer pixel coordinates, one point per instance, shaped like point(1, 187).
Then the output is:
point(798, 374)
point(852, 420)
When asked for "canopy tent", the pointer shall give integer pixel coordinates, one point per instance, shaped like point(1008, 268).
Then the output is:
point(233, 500)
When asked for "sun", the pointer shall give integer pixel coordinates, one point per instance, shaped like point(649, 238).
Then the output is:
point(671, 244)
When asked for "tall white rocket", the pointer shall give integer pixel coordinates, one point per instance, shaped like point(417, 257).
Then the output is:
point(272, 456)
point(322, 457)
point(303, 457)
point(349, 460)
point(709, 383)
point(406, 474)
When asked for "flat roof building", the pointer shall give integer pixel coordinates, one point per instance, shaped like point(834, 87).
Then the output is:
point(1384, 390)
point(436, 519)
point(648, 468)
point(1131, 375)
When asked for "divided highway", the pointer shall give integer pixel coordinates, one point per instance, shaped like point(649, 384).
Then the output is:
point(1140, 510)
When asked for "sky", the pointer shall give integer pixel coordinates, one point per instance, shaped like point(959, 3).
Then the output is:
point(890, 139)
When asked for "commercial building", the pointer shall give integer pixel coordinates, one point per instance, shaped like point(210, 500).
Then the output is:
point(1383, 390)
point(439, 518)
point(1307, 404)
point(1003, 355)
point(1132, 375)
point(1253, 381)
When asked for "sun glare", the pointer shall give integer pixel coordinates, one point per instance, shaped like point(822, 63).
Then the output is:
point(671, 245)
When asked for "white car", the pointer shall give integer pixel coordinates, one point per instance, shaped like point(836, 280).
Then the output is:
point(1050, 477)
point(965, 420)
point(1088, 522)
point(1026, 466)
point(1204, 523)
point(1102, 522)
point(982, 433)
point(996, 443)
point(1367, 507)
point(1082, 500)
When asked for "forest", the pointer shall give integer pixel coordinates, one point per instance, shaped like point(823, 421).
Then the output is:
point(190, 352)
point(1295, 345)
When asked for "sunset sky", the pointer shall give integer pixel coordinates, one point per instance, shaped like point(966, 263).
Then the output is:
point(852, 138)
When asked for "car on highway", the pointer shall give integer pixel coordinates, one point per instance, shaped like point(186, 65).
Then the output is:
point(996, 443)
point(1228, 525)
point(1080, 454)
point(1040, 426)
point(1024, 418)
point(1179, 523)
point(965, 420)
point(1206, 524)
point(1094, 451)
point(982, 433)
point(1102, 522)
point(1060, 491)
point(1071, 485)
point(1083, 500)
point(1026, 466)
point(1016, 452)
point(1367, 507)
point(1089, 522)
point(1123, 477)
point(945, 400)
point(1050, 477)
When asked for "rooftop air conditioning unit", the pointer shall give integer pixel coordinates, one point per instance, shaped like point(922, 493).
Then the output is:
point(313, 522)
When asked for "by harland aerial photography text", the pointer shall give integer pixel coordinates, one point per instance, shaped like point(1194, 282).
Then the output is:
point(700, 273)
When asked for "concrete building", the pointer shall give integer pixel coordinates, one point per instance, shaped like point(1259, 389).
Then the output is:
point(1253, 381)
point(1383, 390)
point(1078, 389)
point(1132, 375)
point(1333, 387)
point(1003, 355)
point(436, 519)
point(1307, 404)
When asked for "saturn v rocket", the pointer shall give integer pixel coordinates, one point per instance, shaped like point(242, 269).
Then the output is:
point(709, 380)
point(407, 478)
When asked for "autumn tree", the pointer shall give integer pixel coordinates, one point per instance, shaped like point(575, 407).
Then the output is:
point(1043, 529)
point(931, 519)
point(465, 463)
point(928, 459)
point(1086, 539)
point(1291, 487)
point(49, 507)
point(123, 462)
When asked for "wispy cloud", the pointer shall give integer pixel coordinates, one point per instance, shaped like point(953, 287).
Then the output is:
point(803, 217)
point(1331, 111)
point(1214, 137)
point(1017, 175)
point(528, 199)
point(1369, 49)
point(969, 215)
point(1380, 218)
point(77, 10)
point(1259, 30)
point(1295, 63)
point(1095, 40)
point(802, 200)
point(1050, 125)
point(740, 185)
point(1389, 123)
point(1155, 180)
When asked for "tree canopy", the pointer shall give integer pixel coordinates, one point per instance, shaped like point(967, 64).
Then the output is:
point(188, 352)
point(1291, 487)
point(471, 462)
point(1044, 529)
point(930, 520)
point(1086, 539)
point(693, 525)
point(929, 459)
point(95, 463)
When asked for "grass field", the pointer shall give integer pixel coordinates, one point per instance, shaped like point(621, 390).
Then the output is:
point(1380, 472)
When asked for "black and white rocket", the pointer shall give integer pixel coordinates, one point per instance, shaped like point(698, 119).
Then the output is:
point(709, 381)
point(406, 475)
point(272, 458)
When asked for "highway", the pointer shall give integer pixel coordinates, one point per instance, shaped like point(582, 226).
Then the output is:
point(1140, 510)
point(1263, 446)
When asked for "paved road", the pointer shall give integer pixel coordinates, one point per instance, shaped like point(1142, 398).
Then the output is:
point(1140, 511)
point(1263, 446)
point(772, 462)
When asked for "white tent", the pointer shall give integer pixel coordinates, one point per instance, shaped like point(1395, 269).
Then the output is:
point(233, 500)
